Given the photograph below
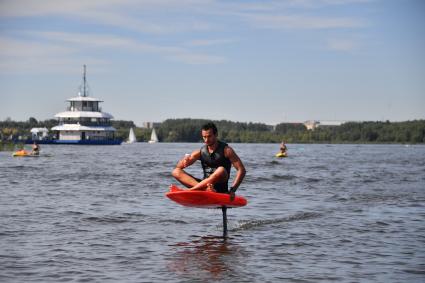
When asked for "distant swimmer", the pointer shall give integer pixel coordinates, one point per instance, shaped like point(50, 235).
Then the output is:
point(216, 159)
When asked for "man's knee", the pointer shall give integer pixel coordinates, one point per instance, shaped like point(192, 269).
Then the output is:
point(221, 173)
point(176, 172)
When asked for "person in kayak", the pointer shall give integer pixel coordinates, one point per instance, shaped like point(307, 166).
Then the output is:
point(216, 159)
point(283, 148)
point(35, 149)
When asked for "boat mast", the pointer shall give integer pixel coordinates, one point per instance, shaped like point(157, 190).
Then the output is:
point(84, 82)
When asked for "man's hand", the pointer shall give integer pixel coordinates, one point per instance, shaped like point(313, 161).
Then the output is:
point(232, 193)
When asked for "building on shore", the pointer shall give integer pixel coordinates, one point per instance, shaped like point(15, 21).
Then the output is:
point(39, 133)
point(313, 124)
point(151, 125)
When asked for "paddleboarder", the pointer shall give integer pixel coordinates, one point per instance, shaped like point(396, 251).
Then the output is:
point(216, 159)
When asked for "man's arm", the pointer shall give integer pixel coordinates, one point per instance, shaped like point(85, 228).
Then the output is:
point(187, 161)
point(237, 163)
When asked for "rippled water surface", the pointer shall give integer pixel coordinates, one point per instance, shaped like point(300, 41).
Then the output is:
point(342, 213)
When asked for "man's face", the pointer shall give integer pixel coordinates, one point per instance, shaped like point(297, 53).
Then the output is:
point(209, 137)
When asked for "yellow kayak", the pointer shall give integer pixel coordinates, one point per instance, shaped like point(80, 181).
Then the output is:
point(280, 154)
point(23, 153)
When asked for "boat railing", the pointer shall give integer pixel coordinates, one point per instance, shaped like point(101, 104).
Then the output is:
point(95, 124)
point(93, 109)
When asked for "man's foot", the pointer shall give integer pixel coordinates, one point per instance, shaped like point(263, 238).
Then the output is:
point(210, 188)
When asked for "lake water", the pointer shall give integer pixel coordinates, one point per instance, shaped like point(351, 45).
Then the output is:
point(342, 213)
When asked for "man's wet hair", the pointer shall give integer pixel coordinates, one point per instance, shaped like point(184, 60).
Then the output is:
point(210, 126)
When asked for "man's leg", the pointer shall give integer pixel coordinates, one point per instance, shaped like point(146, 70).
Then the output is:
point(219, 176)
point(184, 178)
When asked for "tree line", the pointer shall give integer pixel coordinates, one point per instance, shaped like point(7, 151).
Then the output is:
point(188, 130)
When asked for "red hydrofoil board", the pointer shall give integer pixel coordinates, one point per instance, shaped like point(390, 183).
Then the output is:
point(203, 199)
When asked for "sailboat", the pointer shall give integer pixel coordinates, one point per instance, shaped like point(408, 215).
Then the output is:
point(131, 136)
point(154, 137)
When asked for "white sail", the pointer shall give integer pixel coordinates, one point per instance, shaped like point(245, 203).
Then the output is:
point(131, 136)
point(154, 137)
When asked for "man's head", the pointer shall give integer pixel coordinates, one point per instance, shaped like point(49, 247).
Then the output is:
point(209, 133)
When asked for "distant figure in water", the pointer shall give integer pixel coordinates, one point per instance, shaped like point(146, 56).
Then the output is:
point(35, 149)
point(217, 159)
point(283, 148)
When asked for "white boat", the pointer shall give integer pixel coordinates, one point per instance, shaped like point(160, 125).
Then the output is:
point(154, 137)
point(131, 136)
point(84, 122)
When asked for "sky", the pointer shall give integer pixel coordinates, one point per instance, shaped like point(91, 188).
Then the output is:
point(249, 61)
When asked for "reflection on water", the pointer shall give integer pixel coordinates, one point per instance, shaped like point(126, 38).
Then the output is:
point(206, 257)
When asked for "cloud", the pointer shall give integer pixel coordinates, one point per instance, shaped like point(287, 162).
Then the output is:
point(162, 17)
point(181, 16)
point(11, 47)
point(57, 49)
point(320, 3)
point(127, 14)
point(25, 8)
point(125, 20)
point(344, 2)
point(85, 41)
point(209, 42)
point(132, 25)
point(223, 7)
point(82, 40)
point(17, 56)
point(197, 59)
point(301, 22)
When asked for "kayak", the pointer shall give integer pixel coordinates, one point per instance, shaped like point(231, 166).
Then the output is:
point(280, 154)
point(203, 199)
point(24, 153)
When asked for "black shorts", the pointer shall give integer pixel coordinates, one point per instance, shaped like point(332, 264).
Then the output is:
point(219, 187)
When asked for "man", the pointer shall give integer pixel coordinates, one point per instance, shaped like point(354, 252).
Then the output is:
point(35, 149)
point(217, 159)
point(283, 148)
